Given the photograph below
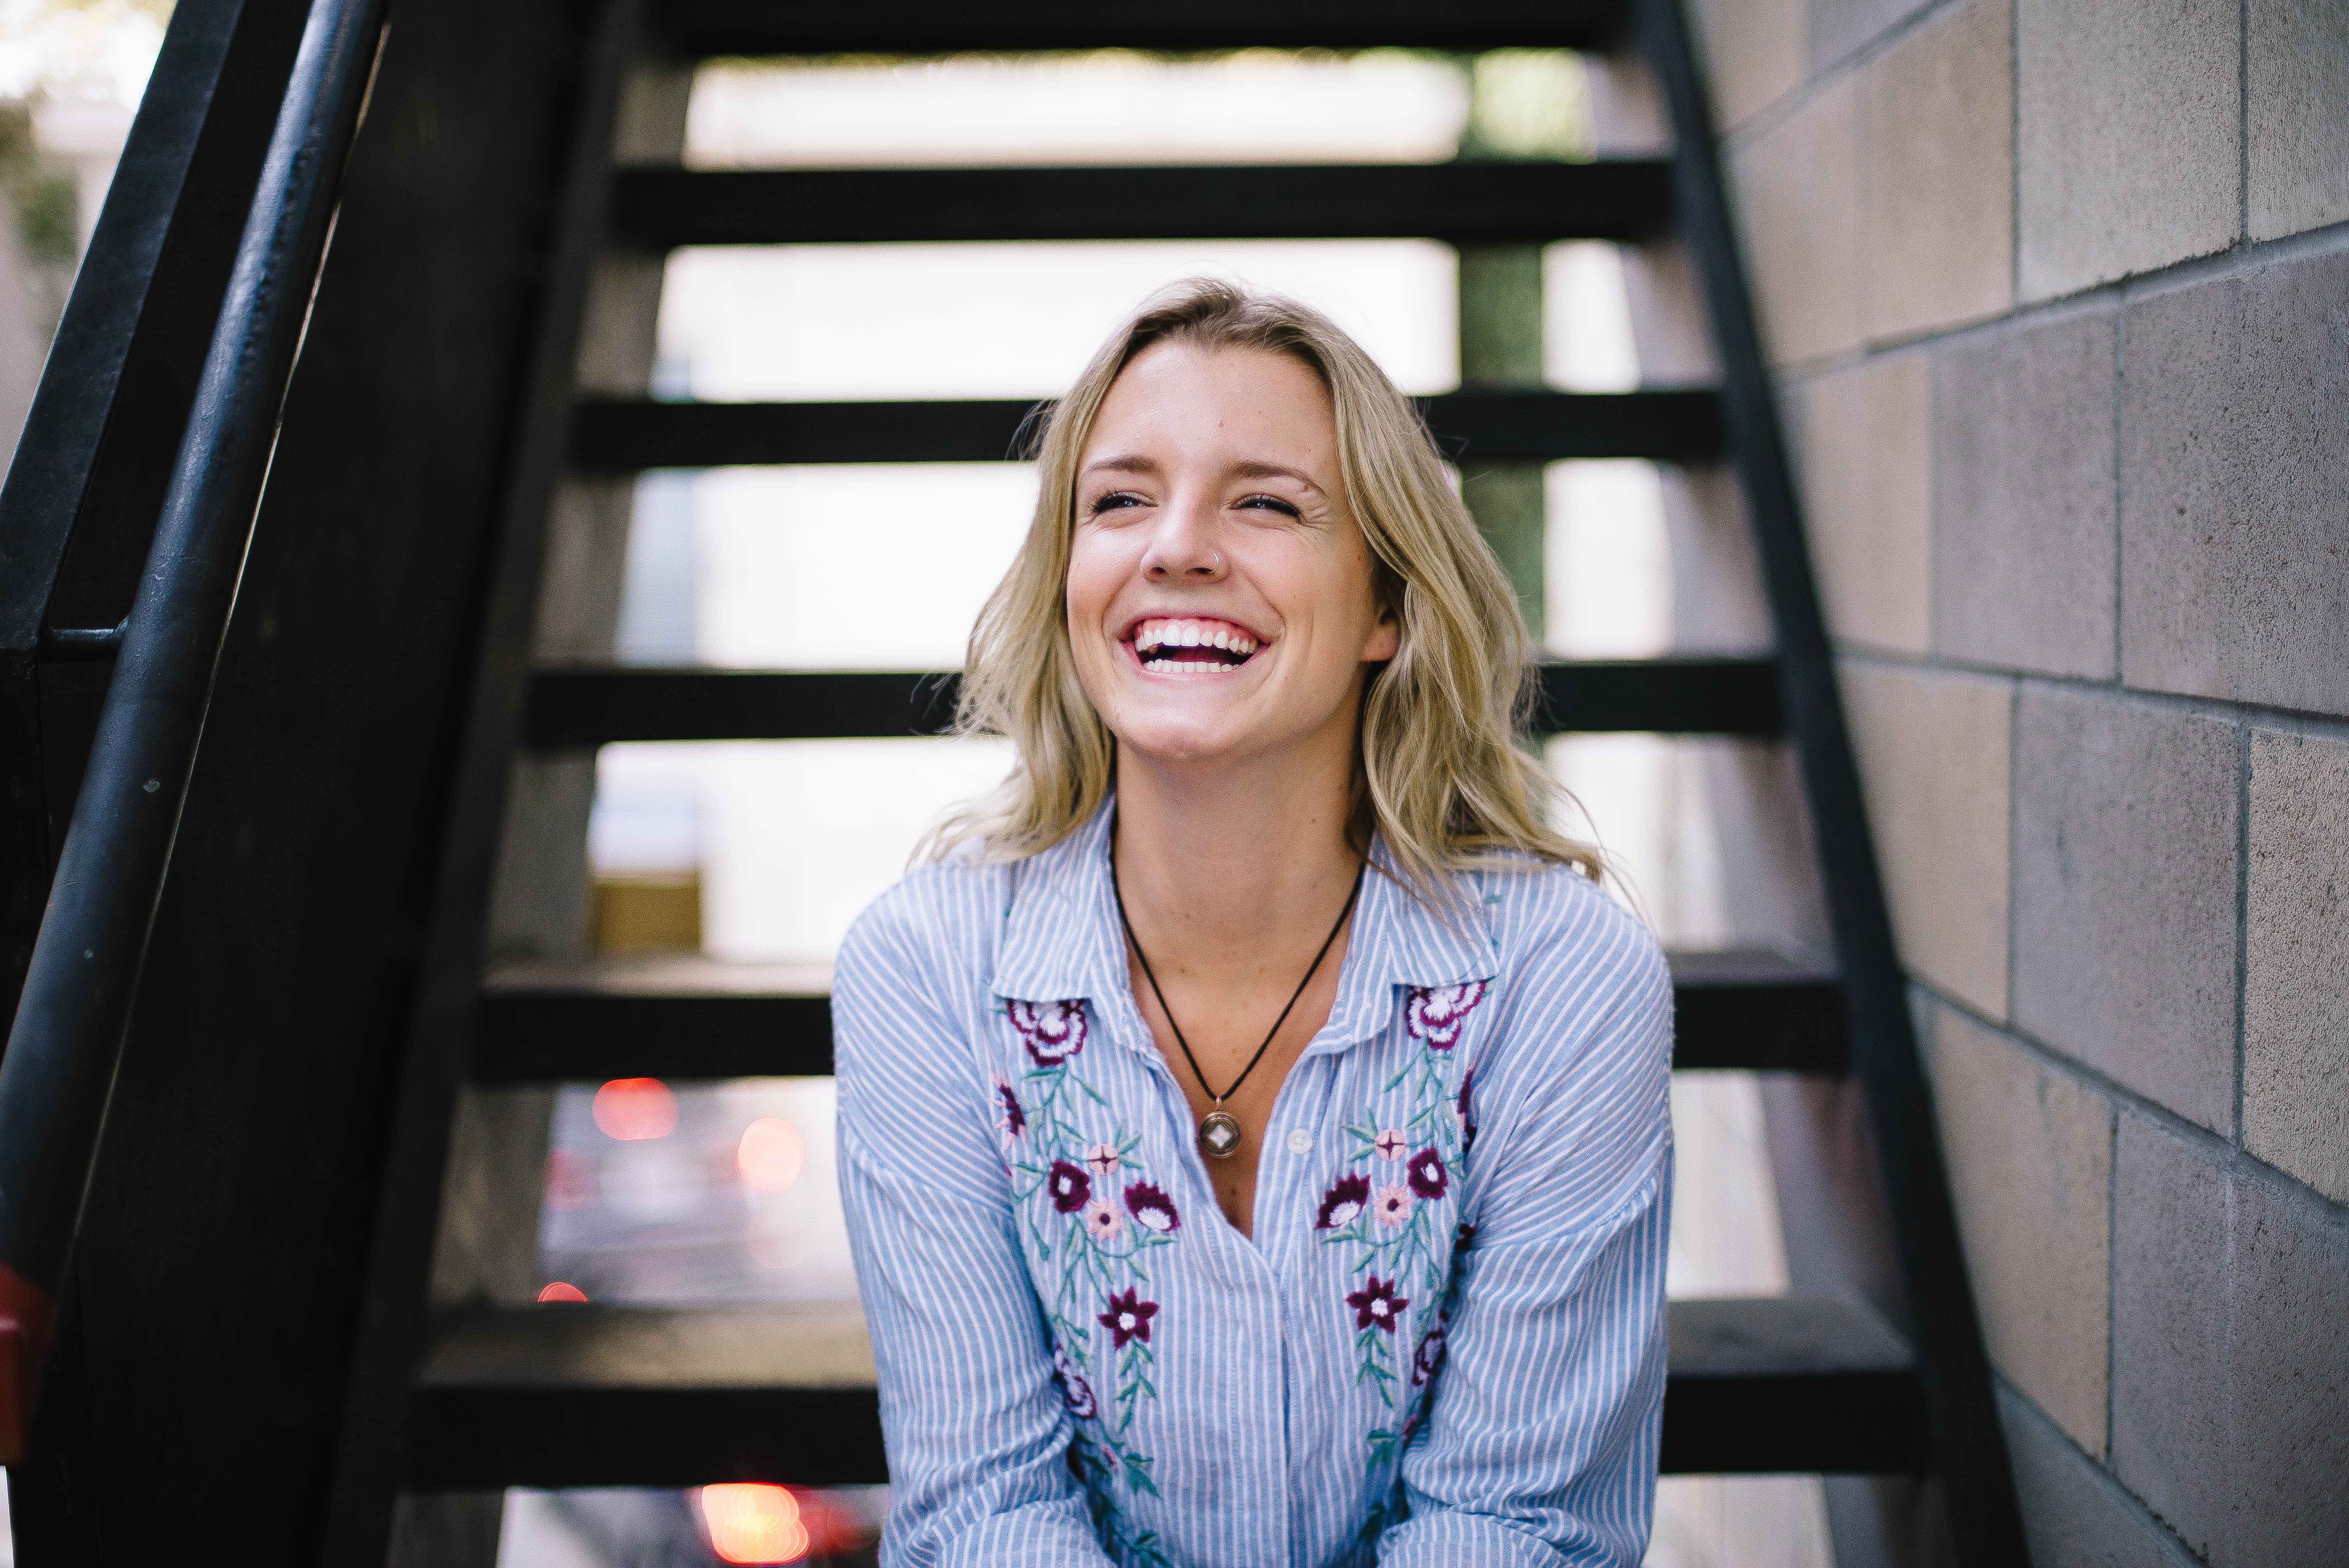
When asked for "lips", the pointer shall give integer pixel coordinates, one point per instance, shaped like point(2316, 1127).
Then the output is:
point(1193, 645)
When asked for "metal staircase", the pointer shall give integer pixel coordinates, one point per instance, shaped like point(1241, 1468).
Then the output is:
point(249, 1269)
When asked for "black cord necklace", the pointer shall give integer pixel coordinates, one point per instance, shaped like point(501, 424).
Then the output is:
point(1219, 1129)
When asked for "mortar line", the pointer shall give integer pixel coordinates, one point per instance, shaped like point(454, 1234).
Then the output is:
point(2241, 1164)
point(2120, 537)
point(2243, 121)
point(2173, 1549)
point(2309, 722)
point(2242, 914)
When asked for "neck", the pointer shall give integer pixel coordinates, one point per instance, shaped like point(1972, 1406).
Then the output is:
point(1221, 873)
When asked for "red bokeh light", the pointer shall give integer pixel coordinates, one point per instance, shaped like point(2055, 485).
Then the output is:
point(563, 1290)
point(636, 1108)
point(769, 1156)
point(751, 1524)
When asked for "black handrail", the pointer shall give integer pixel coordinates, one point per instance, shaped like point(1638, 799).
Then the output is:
point(67, 1041)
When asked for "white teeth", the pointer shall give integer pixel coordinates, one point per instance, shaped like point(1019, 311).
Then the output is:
point(1172, 634)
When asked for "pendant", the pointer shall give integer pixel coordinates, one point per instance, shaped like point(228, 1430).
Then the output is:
point(1219, 1135)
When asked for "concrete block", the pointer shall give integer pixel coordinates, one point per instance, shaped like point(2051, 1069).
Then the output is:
point(2296, 961)
point(2031, 1166)
point(2025, 549)
point(1867, 475)
point(2234, 416)
point(1755, 54)
point(2298, 70)
point(1841, 29)
point(1937, 183)
point(2230, 1355)
point(1799, 184)
point(2073, 1514)
point(2125, 876)
point(2127, 136)
point(1933, 760)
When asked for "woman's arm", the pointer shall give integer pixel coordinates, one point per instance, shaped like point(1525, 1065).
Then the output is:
point(977, 1438)
point(1542, 1436)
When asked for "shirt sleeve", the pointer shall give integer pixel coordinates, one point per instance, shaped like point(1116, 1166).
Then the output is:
point(1544, 1427)
point(977, 1438)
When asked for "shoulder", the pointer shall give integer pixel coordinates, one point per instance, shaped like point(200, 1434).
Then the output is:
point(1552, 924)
point(1578, 970)
point(937, 925)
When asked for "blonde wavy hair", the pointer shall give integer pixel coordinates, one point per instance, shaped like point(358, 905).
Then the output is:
point(1441, 775)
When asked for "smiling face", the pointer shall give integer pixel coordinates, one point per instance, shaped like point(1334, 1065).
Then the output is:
point(1222, 602)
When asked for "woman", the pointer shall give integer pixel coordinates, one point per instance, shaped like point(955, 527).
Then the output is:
point(1252, 1121)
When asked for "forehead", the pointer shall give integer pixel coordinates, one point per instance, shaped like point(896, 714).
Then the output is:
point(1181, 400)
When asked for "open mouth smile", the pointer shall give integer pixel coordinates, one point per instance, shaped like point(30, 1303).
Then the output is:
point(1192, 645)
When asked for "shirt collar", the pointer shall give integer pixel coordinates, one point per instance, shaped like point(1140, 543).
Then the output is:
point(1062, 939)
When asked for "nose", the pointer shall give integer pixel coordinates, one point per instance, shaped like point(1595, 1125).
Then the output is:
point(1183, 548)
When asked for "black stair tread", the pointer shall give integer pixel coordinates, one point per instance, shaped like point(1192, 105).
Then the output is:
point(1612, 198)
point(689, 1017)
point(715, 27)
point(629, 435)
point(586, 704)
point(619, 1396)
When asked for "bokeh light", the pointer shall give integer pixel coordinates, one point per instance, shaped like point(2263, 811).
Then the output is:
point(753, 1523)
point(562, 1290)
point(636, 1108)
point(770, 1154)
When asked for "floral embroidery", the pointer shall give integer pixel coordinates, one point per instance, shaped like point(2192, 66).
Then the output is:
point(1128, 1318)
point(1151, 1209)
point(1376, 1304)
point(1014, 1120)
point(1428, 1360)
point(1343, 1203)
point(1394, 1231)
point(1075, 1392)
point(1437, 1013)
point(1070, 1186)
point(1093, 1215)
point(1052, 1031)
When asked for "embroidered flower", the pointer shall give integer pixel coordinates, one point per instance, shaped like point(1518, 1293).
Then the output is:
point(1437, 1013)
point(1377, 1304)
point(1069, 1185)
point(1391, 1143)
point(1014, 1120)
point(1393, 1206)
point(1103, 1223)
point(1462, 1114)
point(1102, 1161)
point(1428, 1177)
point(1428, 1360)
point(1341, 1202)
point(1128, 1317)
point(1075, 1392)
point(1151, 1209)
point(1052, 1031)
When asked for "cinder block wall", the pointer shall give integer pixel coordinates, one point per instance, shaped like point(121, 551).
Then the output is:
point(2058, 290)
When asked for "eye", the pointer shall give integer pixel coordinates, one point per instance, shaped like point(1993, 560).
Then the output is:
point(1271, 503)
point(1116, 500)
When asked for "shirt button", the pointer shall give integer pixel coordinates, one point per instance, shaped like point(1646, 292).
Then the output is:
point(1300, 1140)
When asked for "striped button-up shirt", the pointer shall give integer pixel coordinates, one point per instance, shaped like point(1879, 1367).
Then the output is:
point(1444, 1342)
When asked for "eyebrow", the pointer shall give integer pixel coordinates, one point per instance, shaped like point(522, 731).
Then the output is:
point(1246, 469)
